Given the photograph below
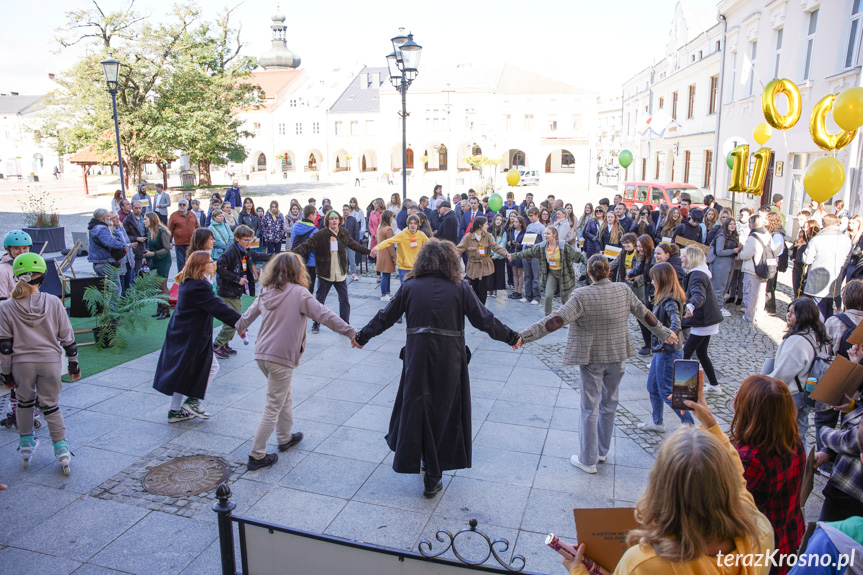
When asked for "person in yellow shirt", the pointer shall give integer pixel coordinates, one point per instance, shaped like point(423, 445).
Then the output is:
point(696, 516)
point(408, 243)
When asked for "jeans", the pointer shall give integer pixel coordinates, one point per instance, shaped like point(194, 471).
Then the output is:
point(552, 282)
point(754, 291)
point(180, 253)
point(599, 387)
point(342, 290)
point(273, 247)
point(105, 270)
point(531, 279)
point(352, 264)
point(385, 283)
point(697, 344)
point(227, 333)
point(402, 274)
point(802, 415)
point(838, 505)
point(660, 379)
point(126, 280)
point(278, 412)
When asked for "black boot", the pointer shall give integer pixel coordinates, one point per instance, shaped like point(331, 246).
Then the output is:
point(158, 310)
point(431, 486)
point(165, 312)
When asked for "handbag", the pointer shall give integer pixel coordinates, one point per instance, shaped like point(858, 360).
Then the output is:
point(711, 253)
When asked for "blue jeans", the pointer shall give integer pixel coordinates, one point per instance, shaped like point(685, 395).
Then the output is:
point(180, 252)
point(402, 274)
point(659, 382)
point(273, 247)
point(385, 283)
point(352, 264)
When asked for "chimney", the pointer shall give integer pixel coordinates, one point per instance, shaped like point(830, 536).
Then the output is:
point(364, 81)
point(376, 80)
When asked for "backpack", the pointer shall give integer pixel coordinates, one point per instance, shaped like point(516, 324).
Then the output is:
point(711, 253)
point(844, 346)
point(782, 264)
point(819, 367)
point(299, 239)
point(766, 268)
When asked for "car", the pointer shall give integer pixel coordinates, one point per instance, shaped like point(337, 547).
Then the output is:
point(641, 193)
point(611, 171)
point(528, 177)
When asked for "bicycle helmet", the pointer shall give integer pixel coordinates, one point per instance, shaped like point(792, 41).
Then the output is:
point(29, 263)
point(17, 238)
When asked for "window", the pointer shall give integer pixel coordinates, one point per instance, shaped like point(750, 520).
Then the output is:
point(661, 102)
point(656, 194)
point(256, 128)
point(656, 176)
point(37, 138)
point(567, 160)
point(708, 167)
point(643, 168)
point(528, 122)
point(281, 129)
point(370, 127)
point(810, 45)
point(339, 129)
point(718, 46)
point(316, 127)
point(854, 36)
point(507, 122)
point(750, 84)
point(687, 155)
point(355, 128)
point(714, 94)
point(552, 122)
point(674, 106)
point(299, 128)
point(690, 111)
point(733, 76)
point(778, 52)
point(576, 122)
point(293, 103)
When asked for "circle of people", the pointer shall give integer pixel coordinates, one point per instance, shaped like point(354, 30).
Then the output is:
point(710, 492)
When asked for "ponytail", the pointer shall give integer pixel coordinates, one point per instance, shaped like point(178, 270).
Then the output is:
point(23, 290)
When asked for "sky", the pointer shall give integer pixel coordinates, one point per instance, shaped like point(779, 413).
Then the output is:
point(595, 45)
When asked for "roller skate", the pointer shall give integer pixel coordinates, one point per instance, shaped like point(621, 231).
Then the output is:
point(63, 455)
point(27, 445)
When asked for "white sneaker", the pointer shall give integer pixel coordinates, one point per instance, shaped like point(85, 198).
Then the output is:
point(535, 302)
point(650, 426)
point(725, 312)
point(713, 390)
point(387, 297)
point(586, 468)
point(523, 300)
point(354, 277)
point(602, 458)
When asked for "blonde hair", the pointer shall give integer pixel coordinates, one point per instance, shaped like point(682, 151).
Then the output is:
point(23, 290)
point(692, 499)
point(283, 269)
point(614, 235)
point(694, 257)
point(155, 226)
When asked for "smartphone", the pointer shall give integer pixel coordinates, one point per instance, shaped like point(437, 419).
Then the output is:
point(685, 383)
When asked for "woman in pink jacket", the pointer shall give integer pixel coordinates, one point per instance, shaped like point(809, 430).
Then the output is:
point(284, 305)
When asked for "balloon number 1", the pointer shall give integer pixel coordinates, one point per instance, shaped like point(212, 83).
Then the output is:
point(740, 155)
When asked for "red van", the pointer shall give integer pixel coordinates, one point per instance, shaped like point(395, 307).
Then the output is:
point(655, 193)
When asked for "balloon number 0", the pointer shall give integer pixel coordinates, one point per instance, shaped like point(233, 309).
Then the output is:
point(740, 154)
point(818, 126)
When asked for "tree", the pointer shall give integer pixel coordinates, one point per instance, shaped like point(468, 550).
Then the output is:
point(197, 104)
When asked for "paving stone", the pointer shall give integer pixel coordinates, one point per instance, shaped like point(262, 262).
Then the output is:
point(466, 498)
point(328, 475)
point(297, 509)
point(378, 525)
point(21, 562)
point(510, 437)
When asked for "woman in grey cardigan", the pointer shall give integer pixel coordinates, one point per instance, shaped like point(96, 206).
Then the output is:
point(726, 247)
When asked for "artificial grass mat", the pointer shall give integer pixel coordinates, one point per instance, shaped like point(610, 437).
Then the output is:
point(147, 339)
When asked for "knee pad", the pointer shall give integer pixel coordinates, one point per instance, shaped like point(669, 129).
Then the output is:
point(26, 404)
point(48, 410)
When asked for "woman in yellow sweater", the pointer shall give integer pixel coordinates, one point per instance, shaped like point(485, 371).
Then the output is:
point(408, 243)
point(696, 516)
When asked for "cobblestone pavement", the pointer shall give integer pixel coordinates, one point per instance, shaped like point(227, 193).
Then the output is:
point(339, 480)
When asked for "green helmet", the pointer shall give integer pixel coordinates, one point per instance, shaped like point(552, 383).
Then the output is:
point(29, 263)
point(17, 238)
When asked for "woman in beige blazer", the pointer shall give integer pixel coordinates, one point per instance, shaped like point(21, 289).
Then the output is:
point(479, 243)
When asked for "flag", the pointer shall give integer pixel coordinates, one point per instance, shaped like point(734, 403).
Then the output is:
point(660, 123)
point(745, 70)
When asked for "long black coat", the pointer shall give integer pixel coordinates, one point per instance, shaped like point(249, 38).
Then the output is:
point(431, 415)
point(187, 354)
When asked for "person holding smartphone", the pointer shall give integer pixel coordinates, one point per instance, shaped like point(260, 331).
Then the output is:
point(670, 299)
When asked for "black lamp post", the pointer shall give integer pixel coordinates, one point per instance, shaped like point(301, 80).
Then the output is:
point(403, 64)
point(111, 67)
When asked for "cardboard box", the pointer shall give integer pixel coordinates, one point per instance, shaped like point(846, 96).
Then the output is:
point(842, 378)
point(603, 531)
point(683, 242)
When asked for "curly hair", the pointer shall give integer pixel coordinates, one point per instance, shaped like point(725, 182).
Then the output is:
point(438, 257)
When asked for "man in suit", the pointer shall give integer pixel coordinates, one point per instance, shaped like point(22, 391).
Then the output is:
point(402, 216)
point(161, 203)
point(448, 224)
point(232, 195)
point(468, 216)
point(599, 343)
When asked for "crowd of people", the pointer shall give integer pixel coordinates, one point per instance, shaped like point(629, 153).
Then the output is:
point(678, 269)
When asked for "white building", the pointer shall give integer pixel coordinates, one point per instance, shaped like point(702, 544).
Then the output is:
point(22, 153)
point(608, 131)
point(814, 43)
point(678, 94)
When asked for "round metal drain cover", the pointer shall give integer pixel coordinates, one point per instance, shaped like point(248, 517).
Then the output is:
point(187, 476)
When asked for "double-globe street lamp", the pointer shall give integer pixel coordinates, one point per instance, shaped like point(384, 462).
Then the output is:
point(111, 67)
point(403, 64)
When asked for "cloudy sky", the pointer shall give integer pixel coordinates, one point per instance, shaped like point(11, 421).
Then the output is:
point(595, 45)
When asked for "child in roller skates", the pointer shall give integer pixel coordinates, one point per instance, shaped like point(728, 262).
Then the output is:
point(34, 331)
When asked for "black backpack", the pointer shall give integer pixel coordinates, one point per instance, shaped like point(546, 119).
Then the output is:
point(782, 266)
point(844, 346)
point(766, 268)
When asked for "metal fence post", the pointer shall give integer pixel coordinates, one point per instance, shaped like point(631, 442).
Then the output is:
point(224, 506)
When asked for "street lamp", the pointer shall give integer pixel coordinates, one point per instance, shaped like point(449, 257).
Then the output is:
point(403, 63)
point(111, 67)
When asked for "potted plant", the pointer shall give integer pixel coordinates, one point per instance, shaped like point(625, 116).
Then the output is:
point(42, 222)
point(106, 304)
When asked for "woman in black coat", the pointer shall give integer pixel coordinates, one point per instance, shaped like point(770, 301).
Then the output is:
point(702, 314)
point(639, 275)
point(431, 420)
point(186, 365)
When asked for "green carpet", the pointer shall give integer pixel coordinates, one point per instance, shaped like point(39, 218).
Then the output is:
point(145, 340)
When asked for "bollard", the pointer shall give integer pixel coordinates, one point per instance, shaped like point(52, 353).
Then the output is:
point(224, 506)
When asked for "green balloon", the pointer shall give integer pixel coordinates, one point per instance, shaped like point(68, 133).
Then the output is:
point(625, 158)
point(729, 159)
point(495, 202)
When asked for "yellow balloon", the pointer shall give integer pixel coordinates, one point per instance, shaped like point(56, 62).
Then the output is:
point(823, 178)
point(848, 109)
point(762, 133)
point(759, 172)
point(513, 177)
point(818, 126)
point(740, 154)
point(768, 104)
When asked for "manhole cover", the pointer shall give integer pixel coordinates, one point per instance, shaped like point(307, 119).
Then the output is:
point(187, 476)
